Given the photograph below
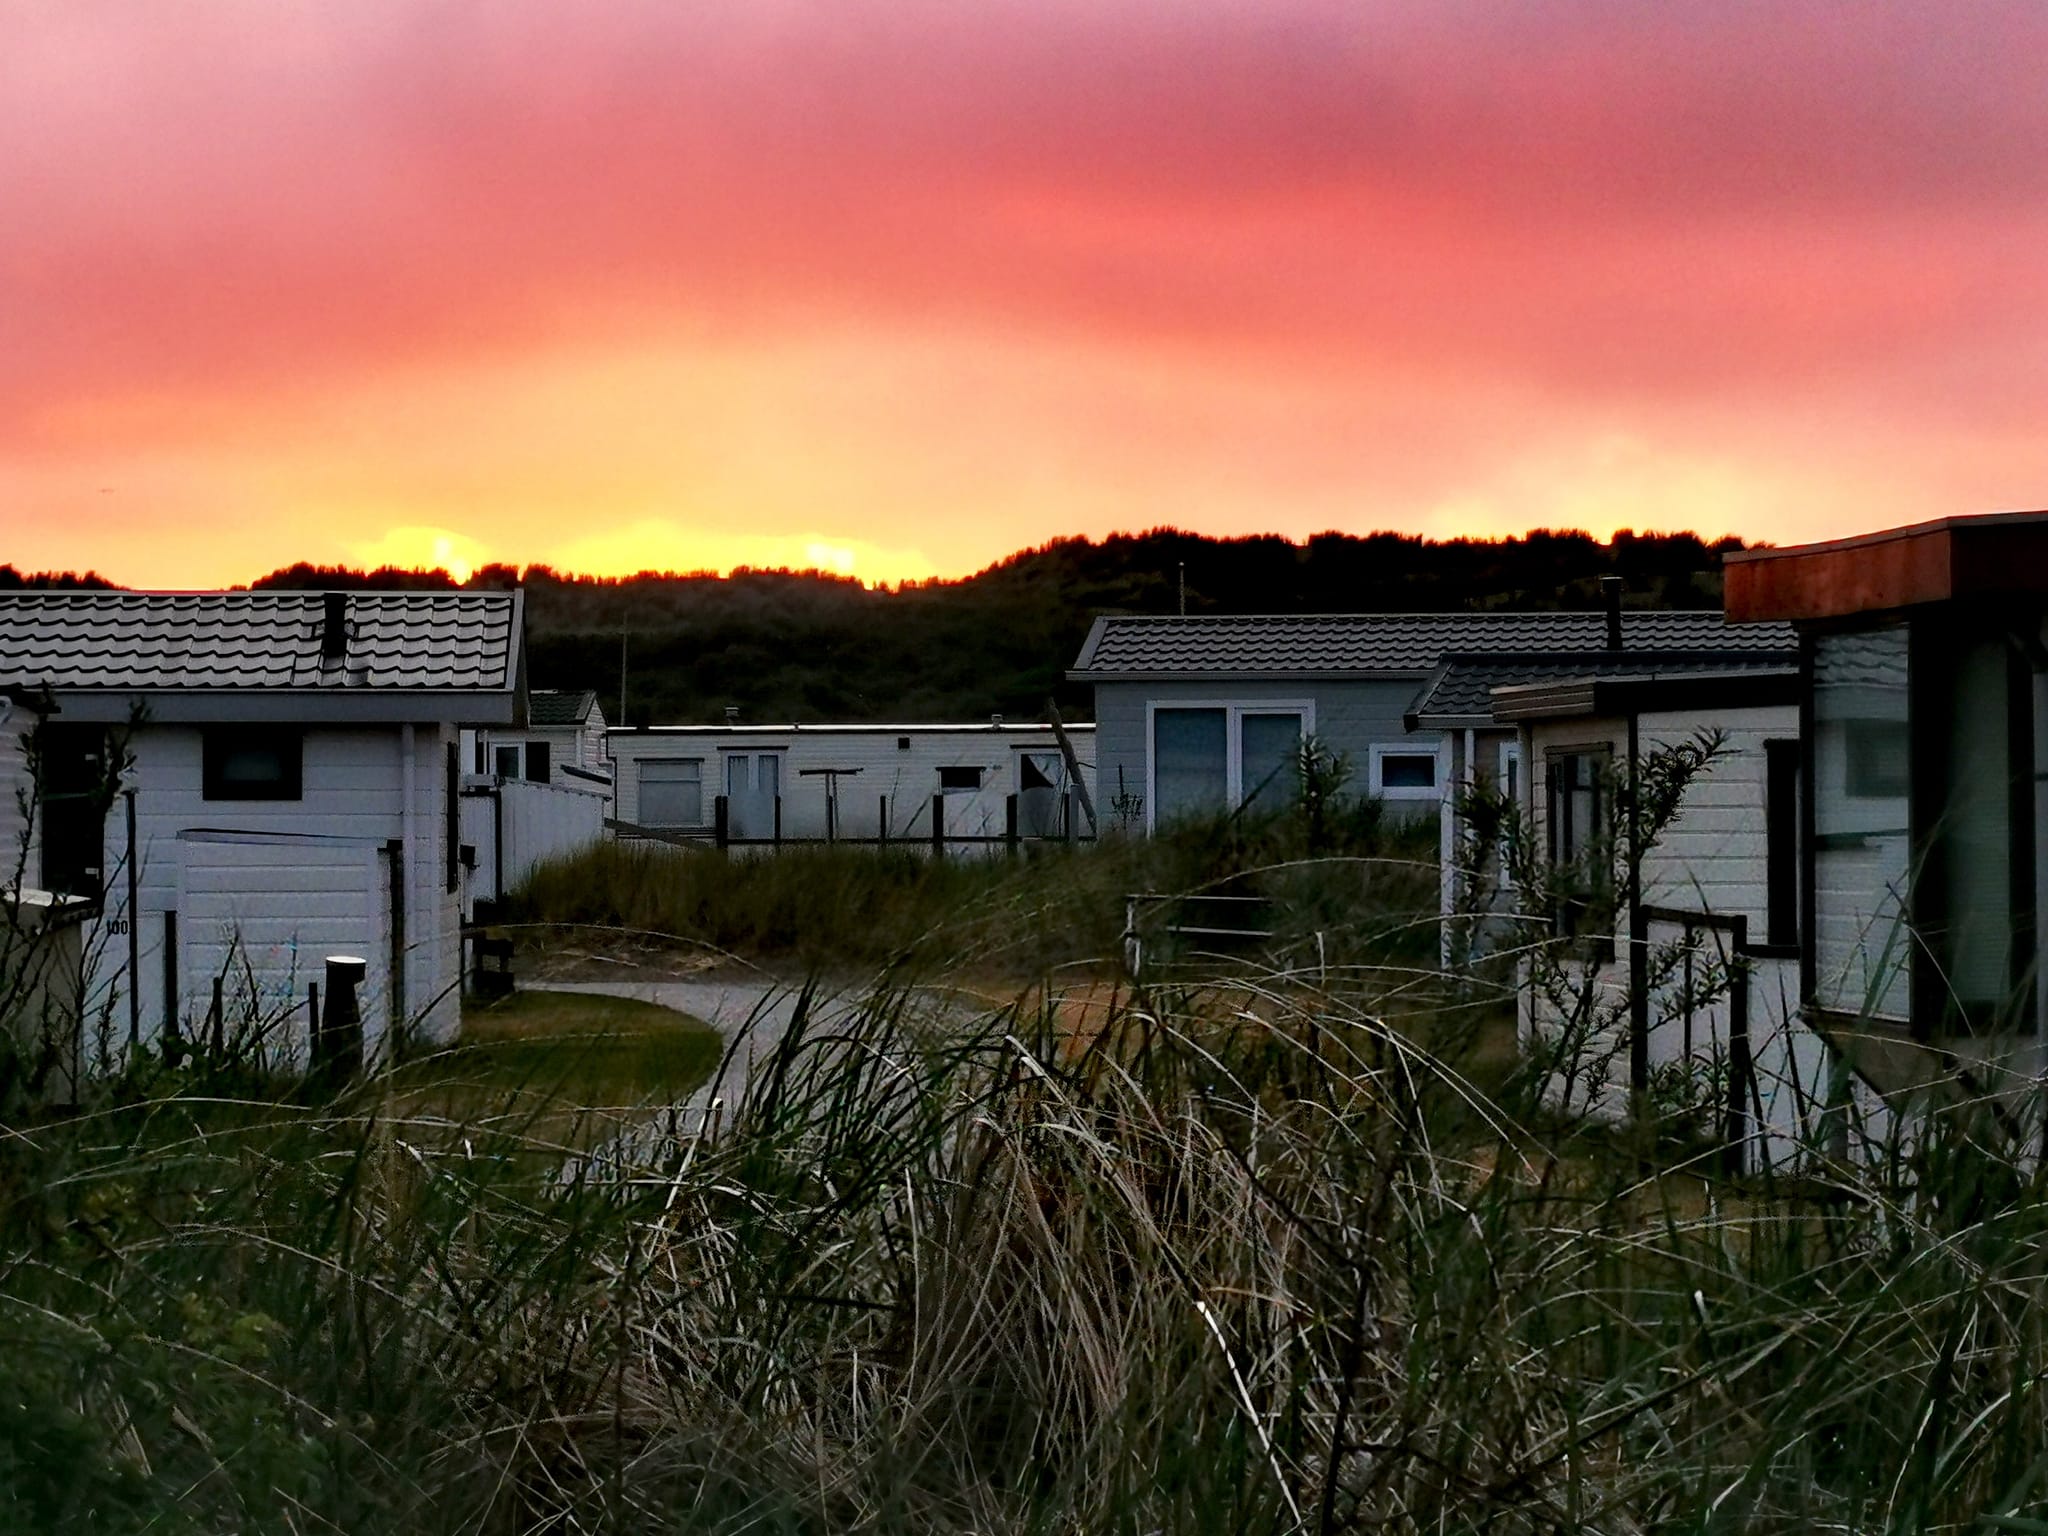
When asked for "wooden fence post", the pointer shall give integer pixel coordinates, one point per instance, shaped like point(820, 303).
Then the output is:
point(721, 825)
point(882, 821)
point(1010, 824)
point(778, 821)
point(938, 824)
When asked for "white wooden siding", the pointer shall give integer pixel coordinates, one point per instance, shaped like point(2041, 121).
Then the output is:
point(1712, 858)
point(20, 854)
point(538, 821)
point(263, 918)
point(1713, 855)
point(354, 789)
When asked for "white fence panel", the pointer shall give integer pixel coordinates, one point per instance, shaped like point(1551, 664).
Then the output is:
point(514, 825)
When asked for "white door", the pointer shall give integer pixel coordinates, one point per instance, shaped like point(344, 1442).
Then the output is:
point(753, 781)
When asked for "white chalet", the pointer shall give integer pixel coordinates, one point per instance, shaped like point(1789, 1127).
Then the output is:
point(246, 784)
point(748, 784)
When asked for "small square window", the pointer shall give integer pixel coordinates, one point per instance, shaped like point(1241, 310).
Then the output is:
point(1403, 773)
point(538, 767)
point(252, 763)
point(507, 763)
point(959, 778)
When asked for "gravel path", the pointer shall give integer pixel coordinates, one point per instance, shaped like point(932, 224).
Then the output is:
point(756, 1012)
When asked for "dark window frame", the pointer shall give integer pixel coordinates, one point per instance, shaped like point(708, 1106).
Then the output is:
point(1935, 640)
point(960, 783)
point(1573, 907)
point(539, 763)
point(220, 743)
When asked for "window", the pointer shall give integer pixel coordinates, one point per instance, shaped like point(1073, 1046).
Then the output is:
point(1860, 776)
point(246, 762)
point(1581, 847)
point(538, 764)
point(1269, 754)
point(959, 778)
point(1781, 842)
point(1211, 757)
point(1190, 761)
point(1874, 765)
point(1403, 772)
point(672, 792)
point(507, 763)
point(1973, 898)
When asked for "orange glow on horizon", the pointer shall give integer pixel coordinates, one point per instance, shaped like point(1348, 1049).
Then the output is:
point(897, 288)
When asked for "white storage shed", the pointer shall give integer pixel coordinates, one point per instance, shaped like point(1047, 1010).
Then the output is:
point(248, 783)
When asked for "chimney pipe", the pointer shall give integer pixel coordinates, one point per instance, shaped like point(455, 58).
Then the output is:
point(334, 627)
point(1610, 589)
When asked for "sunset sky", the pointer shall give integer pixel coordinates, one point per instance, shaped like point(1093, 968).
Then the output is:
point(899, 286)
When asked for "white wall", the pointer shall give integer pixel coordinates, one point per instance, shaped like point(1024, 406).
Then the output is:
point(906, 776)
point(20, 855)
point(1711, 859)
point(288, 881)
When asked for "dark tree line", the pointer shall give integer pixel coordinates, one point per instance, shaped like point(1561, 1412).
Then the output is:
point(784, 645)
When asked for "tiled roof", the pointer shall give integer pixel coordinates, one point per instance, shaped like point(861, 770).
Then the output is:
point(175, 641)
point(559, 706)
point(1461, 691)
point(1334, 644)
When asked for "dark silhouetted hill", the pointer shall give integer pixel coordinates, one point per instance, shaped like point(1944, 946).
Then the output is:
point(787, 645)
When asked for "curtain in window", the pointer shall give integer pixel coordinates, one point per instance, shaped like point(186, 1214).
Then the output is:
point(1270, 755)
point(1190, 761)
point(672, 792)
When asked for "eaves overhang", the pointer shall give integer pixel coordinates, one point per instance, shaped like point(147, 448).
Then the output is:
point(303, 706)
point(1994, 557)
point(1254, 675)
point(1615, 696)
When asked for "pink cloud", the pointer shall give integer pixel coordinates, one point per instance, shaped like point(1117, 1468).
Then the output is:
point(1455, 232)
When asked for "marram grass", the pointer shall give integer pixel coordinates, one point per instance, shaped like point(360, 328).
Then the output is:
point(1239, 1259)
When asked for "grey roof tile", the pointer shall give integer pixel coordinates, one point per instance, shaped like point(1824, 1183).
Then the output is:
point(559, 706)
point(1295, 644)
point(148, 641)
point(1462, 687)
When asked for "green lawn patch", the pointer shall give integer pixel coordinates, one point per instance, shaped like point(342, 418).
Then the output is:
point(557, 1060)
